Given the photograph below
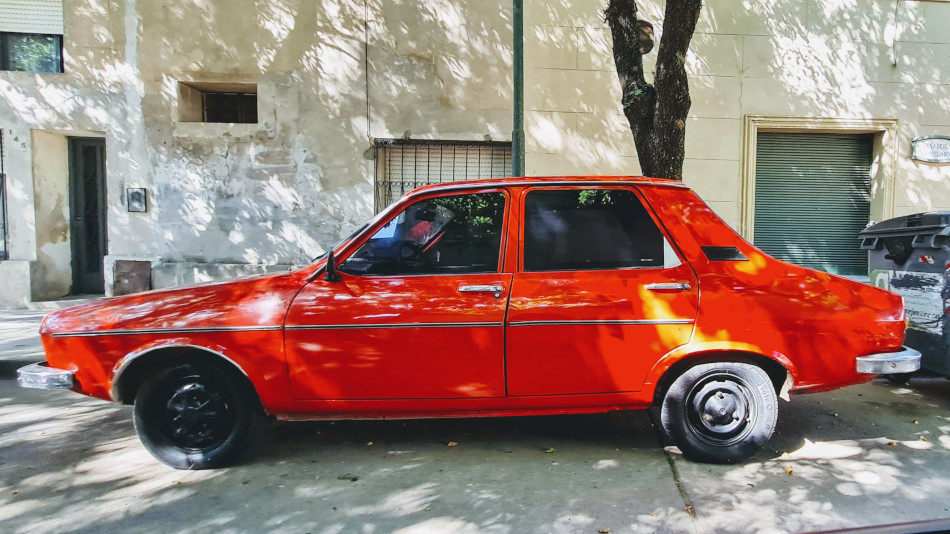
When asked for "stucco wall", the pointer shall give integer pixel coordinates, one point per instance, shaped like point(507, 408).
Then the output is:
point(238, 198)
point(37, 112)
point(285, 189)
point(332, 75)
point(51, 204)
point(785, 58)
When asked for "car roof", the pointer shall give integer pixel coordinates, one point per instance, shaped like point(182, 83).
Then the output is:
point(549, 180)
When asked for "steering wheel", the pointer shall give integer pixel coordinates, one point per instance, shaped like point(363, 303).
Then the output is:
point(409, 256)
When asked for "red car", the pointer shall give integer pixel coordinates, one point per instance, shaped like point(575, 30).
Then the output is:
point(523, 296)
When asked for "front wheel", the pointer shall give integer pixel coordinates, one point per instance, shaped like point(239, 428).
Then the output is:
point(720, 412)
point(196, 416)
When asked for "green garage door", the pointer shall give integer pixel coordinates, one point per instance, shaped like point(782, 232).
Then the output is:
point(812, 197)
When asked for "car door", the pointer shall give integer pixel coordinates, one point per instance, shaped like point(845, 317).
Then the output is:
point(599, 297)
point(418, 311)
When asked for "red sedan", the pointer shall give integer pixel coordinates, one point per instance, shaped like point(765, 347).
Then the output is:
point(523, 296)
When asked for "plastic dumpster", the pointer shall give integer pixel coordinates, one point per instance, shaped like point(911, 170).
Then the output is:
point(910, 256)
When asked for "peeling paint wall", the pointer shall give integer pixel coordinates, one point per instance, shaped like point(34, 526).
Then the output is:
point(333, 75)
point(283, 190)
point(53, 263)
point(37, 112)
point(227, 199)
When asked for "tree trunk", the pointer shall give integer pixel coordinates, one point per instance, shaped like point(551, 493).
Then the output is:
point(656, 112)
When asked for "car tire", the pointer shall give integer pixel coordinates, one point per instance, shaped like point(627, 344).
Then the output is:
point(197, 416)
point(720, 412)
point(898, 379)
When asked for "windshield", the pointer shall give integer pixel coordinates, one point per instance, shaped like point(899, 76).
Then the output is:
point(340, 244)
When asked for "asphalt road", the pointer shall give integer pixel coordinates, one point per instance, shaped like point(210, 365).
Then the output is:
point(865, 455)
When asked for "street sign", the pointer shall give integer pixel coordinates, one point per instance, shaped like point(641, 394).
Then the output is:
point(931, 148)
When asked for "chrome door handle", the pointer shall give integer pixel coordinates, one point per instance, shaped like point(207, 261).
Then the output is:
point(683, 286)
point(494, 289)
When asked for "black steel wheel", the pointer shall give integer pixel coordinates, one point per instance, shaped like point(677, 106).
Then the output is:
point(720, 412)
point(197, 416)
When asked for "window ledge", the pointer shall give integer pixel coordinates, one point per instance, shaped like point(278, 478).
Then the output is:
point(30, 73)
point(216, 129)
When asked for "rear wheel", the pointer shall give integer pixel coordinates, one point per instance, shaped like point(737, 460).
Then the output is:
point(898, 379)
point(720, 412)
point(197, 416)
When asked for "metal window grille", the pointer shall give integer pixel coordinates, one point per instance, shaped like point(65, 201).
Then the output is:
point(403, 165)
point(229, 107)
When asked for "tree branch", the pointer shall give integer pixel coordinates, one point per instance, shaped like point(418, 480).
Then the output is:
point(638, 97)
point(656, 113)
point(672, 84)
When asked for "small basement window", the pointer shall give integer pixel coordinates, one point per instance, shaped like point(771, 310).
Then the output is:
point(217, 102)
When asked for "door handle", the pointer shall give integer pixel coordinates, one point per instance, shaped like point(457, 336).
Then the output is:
point(494, 289)
point(676, 286)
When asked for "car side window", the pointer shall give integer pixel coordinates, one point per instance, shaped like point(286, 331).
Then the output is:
point(589, 229)
point(442, 235)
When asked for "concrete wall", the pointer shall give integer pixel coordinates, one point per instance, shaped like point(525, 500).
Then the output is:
point(228, 199)
point(774, 59)
point(53, 263)
point(333, 75)
point(283, 190)
point(37, 112)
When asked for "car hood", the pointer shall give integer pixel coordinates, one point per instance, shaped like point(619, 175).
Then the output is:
point(259, 301)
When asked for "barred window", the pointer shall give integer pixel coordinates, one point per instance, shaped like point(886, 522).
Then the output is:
point(217, 102)
point(403, 165)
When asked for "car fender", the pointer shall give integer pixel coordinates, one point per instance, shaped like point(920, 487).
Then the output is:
point(124, 363)
point(716, 349)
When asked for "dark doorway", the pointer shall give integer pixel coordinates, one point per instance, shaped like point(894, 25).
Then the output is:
point(87, 213)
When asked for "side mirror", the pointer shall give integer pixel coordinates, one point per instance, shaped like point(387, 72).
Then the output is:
point(331, 274)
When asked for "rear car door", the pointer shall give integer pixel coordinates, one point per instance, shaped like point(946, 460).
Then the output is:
point(418, 313)
point(600, 294)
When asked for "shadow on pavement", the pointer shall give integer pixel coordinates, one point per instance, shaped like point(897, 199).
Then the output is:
point(72, 464)
point(867, 455)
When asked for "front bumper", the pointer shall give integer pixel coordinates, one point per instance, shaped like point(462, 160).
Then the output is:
point(888, 363)
point(42, 376)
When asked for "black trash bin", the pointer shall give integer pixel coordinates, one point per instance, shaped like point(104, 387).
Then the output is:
point(910, 256)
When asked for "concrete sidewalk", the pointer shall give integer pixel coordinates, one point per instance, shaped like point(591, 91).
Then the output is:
point(866, 455)
point(19, 335)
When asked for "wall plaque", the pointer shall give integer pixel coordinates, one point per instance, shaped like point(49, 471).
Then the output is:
point(931, 148)
point(136, 199)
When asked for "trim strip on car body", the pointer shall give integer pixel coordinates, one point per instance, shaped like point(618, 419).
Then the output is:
point(602, 322)
point(388, 325)
point(360, 326)
point(127, 360)
point(197, 330)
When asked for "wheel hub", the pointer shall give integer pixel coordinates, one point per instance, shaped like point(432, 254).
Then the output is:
point(196, 415)
point(721, 408)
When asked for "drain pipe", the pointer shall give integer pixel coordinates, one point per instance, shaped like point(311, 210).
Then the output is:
point(3, 205)
point(517, 135)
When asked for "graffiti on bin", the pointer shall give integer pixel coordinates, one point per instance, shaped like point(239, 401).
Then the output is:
point(923, 296)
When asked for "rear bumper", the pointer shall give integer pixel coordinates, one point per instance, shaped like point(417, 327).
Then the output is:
point(906, 360)
point(42, 376)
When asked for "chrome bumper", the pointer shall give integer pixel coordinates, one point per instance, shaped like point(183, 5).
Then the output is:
point(42, 376)
point(888, 363)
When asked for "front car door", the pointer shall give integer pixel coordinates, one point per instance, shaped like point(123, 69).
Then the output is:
point(599, 297)
point(418, 313)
